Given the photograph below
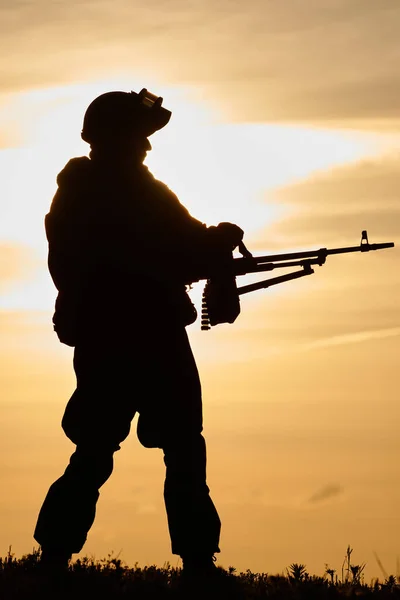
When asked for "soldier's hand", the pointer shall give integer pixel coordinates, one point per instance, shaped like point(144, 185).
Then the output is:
point(231, 233)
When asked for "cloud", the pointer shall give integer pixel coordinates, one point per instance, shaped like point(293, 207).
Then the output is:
point(326, 229)
point(353, 338)
point(370, 183)
point(263, 61)
point(333, 207)
point(325, 493)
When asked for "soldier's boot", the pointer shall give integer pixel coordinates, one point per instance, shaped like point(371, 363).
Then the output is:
point(200, 565)
point(54, 561)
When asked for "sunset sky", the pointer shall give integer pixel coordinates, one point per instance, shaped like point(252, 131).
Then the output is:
point(285, 120)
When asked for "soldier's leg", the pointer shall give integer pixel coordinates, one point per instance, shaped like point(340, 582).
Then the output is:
point(97, 419)
point(173, 422)
point(69, 508)
point(193, 521)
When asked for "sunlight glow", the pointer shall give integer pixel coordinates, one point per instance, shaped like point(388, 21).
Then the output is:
point(221, 172)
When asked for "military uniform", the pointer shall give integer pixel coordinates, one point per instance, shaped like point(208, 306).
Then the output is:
point(120, 249)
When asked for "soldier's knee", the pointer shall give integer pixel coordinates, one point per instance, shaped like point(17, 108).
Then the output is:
point(191, 442)
point(149, 433)
point(186, 455)
point(92, 465)
point(173, 434)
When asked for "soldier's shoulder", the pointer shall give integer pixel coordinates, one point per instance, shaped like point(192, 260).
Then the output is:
point(161, 188)
point(75, 171)
point(73, 177)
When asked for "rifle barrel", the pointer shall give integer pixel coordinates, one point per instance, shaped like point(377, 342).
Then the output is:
point(259, 264)
point(248, 265)
point(361, 248)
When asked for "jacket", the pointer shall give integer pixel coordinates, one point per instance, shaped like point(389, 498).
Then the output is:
point(121, 249)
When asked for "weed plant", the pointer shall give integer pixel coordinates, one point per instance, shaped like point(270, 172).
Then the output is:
point(110, 579)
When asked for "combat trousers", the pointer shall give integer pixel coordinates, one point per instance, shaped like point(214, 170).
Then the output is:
point(156, 376)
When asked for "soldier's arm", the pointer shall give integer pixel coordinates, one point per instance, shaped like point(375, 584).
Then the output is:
point(224, 233)
point(193, 246)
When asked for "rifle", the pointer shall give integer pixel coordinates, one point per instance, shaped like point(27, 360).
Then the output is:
point(221, 295)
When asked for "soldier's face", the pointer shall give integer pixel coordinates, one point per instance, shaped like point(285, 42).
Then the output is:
point(138, 148)
point(143, 148)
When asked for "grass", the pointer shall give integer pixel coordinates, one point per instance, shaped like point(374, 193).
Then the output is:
point(109, 578)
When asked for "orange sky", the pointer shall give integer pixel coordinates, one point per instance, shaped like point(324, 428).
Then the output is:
point(286, 121)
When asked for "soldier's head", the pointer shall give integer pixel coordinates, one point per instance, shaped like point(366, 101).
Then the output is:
point(121, 122)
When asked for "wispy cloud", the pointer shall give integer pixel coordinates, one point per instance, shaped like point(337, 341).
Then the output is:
point(287, 61)
point(352, 338)
point(325, 493)
point(333, 206)
point(372, 182)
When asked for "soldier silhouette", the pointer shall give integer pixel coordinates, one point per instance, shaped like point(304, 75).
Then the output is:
point(121, 247)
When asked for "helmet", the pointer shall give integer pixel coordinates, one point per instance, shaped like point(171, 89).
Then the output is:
point(114, 114)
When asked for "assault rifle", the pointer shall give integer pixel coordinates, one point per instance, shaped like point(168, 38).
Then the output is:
point(221, 294)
